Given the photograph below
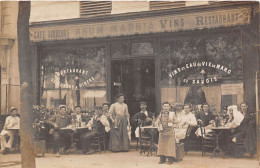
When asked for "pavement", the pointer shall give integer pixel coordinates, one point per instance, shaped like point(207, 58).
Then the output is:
point(130, 159)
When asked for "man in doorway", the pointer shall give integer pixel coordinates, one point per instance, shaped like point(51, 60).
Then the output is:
point(12, 122)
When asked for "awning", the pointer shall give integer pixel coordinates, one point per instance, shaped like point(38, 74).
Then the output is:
point(93, 93)
point(54, 94)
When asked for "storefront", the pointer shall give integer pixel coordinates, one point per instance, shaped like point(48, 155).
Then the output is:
point(178, 56)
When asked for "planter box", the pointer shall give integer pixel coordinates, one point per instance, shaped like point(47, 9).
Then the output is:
point(179, 151)
point(39, 147)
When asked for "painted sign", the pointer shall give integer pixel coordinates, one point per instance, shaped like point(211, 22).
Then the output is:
point(78, 73)
point(199, 64)
point(172, 23)
point(202, 64)
point(232, 89)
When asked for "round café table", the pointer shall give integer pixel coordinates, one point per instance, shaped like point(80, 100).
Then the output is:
point(217, 132)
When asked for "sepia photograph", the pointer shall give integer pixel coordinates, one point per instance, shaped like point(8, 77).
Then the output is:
point(129, 84)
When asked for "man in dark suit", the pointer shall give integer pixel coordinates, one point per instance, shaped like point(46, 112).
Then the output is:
point(205, 117)
point(246, 130)
point(59, 121)
point(143, 118)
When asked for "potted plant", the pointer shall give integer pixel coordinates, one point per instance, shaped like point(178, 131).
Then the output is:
point(38, 125)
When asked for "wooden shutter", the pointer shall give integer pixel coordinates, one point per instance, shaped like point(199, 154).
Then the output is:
point(157, 5)
point(95, 8)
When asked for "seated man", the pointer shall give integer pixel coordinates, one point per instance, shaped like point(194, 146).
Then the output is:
point(97, 124)
point(105, 109)
point(186, 119)
point(58, 121)
point(204, 118)
point(78, 120)
point(142, 118)
point(77, 116)
point(246, 130)
point(11, 122)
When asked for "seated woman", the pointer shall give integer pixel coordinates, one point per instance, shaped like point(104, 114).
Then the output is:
point(184, 120)
point(235, 117)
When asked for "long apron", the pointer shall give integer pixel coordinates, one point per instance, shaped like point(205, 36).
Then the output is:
point(166, 144)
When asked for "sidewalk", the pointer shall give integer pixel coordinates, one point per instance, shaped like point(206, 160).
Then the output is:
point(131, 159)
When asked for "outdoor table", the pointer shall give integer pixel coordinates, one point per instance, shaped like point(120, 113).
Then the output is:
point(152, 128)
point(16, 134)
point(217, 132)
point(72, 133)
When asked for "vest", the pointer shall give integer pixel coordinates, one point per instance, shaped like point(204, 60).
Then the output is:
point(97, 125)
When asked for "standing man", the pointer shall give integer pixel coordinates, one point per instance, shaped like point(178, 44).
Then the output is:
point(58, 121)
point(166, 144)
point(11, 122)
point(97, 124)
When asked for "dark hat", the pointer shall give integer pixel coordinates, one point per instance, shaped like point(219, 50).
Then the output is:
point(62, 106)
point(143, 103)
point(98, 107)
point(106, 103)
point(13, 108)
point(77, 106)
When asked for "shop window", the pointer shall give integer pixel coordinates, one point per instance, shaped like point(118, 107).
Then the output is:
point(119, 49)
point(73, 76)
point(202, 70)
point(141, 48)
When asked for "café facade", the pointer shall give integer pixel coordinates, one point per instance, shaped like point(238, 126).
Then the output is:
point(185, 55)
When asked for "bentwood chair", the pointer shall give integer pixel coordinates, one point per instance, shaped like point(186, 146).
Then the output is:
point(98, 140)
point(207, 142)
point(191, 141)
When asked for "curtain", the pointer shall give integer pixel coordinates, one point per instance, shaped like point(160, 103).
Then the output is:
point(174, 94)
point(213, 96)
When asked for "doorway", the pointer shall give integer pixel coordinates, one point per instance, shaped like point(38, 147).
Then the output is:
point(135, 78)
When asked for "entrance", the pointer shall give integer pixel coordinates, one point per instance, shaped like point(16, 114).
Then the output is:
point(135, 78)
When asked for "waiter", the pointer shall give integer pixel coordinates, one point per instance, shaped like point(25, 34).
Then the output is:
point(166, 144)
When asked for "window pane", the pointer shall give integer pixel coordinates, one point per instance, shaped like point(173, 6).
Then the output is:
point(141, 48)
point(73, 76)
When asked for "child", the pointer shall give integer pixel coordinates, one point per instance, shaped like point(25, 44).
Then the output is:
point(166, 144)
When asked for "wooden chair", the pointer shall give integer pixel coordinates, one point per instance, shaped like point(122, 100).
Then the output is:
point(238, 145)
point(98, 140)
point(146, 143)
point(191, 141)
point(207, 141)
